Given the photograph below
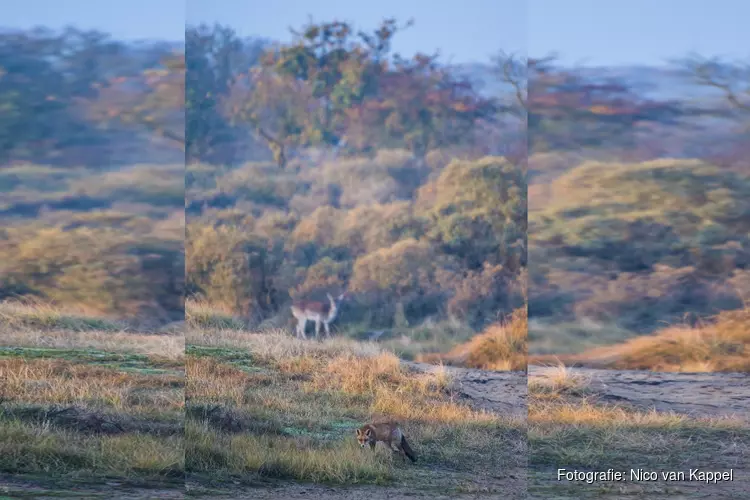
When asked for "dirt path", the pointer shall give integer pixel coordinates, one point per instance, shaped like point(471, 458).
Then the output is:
point(694, 394)
point(314, 491)
point(503, 393)
point(11, 486)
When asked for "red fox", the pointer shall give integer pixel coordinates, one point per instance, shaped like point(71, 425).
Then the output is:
point(390, 434)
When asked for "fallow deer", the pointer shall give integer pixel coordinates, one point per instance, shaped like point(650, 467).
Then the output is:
point(319, 312)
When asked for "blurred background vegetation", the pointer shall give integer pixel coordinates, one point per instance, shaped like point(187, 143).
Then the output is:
point(328, 162)
point(395, 179)
point(639, 192)
point(91, 173)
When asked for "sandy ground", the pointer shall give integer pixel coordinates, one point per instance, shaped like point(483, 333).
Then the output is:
point(11, 487)
point(295, 492)
point(694, 394)
point(503, 393)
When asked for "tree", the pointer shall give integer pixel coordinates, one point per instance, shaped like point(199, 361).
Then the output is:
point(215, 58)
point(43, 75)
point(339, 65)
point(477, 213)
point(331, 86)
point(513, 70)
point(153, 100)
point(567, 110)
point(731, 80)
point(732, 83)
point(299, 95)
point(420, 106)
point(277, 108)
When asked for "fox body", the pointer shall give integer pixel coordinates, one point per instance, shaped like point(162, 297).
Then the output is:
point(390, 434)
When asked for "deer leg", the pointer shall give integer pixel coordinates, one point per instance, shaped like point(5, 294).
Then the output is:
point(317, 329)
point(328, 332)
point(301, 325)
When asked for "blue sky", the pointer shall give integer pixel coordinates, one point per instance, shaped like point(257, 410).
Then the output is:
point(464, 31)
point(130, 20)
point(594, 32)
point(605, 32)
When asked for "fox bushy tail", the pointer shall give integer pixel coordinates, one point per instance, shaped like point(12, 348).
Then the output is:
point(407, 449)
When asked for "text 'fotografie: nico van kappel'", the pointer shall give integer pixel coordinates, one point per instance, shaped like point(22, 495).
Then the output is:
point(697, 475)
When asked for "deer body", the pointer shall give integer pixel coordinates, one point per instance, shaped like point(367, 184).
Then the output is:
point(319, 312)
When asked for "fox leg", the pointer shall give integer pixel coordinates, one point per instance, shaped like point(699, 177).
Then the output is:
point(395, 448)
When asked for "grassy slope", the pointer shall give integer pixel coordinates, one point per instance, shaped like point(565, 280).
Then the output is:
point(87, 240)
point(718, 345)
point(623, 248)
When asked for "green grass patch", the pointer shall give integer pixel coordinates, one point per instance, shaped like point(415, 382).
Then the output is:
point(125, 362)
point(48, 319)
point(33, 448)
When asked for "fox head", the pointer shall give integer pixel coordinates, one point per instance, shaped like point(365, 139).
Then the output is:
point(364, 437)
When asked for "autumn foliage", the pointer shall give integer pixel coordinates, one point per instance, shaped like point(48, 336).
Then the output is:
point(332, 86)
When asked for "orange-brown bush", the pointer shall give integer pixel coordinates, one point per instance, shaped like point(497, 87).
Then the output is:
point(403, 250)
point(717, 345)
point(501, 346)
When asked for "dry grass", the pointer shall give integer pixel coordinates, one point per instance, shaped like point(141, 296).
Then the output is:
point(278, 343)
point(328, 368)
point(159, 346)
point(90, 415)
point(282, 457)
point(215, 324)
point(81, 397)
point(567, 429)
point(40, 448)
point(36, 324)
point(56, 381)
point(275, 406)
point(587, 414)
point(572, 336)
point(561, 381)
point(501, 347)
point(717, 346)
point(32, 313)
point(211, 380)
point(200, 313)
